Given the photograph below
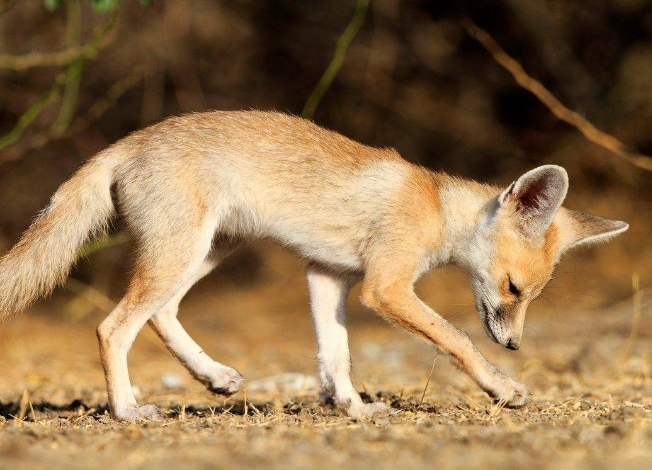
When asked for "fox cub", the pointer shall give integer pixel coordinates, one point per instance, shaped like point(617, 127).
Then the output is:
point(193, 188)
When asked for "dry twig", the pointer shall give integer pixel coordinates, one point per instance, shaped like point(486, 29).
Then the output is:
point(535, 87)
point(425, 389)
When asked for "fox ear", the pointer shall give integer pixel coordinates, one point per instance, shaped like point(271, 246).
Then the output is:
point(580, 228)
point(534, 198)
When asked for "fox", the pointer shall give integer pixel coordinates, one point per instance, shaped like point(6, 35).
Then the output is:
point(193, 188)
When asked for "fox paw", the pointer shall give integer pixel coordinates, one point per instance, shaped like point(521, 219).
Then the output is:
point(514, 394)
point(139, 413)
point(368, 410)
point(224, 381)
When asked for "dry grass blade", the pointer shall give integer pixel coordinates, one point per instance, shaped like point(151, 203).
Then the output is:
point(569, 116)
point(497, 407)
point(22, 408)
point(182, 414)
point(256, 410)
point(474, 405)
point(425, 389)
point(31, 409)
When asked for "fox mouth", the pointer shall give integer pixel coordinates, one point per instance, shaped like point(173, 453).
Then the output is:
point(485, 322)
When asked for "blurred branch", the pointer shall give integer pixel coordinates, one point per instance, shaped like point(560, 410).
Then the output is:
point(94, 112)
point(7, 5)
point(121, 87)
point(535, 87)
point(94, 296)
point(32, 113)
point(338, 57)
point(309, 109)
point(74, 73)
point(65, 57)
point(39, 59)
point(153, 95)
point(102, 105)
point(549, 34)
point(106, 242)
point(89, 51)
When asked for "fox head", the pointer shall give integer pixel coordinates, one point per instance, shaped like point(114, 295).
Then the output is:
point(519, 240)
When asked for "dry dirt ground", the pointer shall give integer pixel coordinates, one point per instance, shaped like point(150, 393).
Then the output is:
point(591, 379)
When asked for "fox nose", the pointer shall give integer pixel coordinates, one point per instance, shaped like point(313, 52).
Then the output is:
point(513, 345)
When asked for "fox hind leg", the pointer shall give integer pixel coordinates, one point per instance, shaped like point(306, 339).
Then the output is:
point(217, 377)
point(161, 272)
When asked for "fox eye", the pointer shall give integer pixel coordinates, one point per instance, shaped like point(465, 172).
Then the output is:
point(513, 289)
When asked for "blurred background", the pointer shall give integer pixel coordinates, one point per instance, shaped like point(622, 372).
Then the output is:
point(412, 79)
point(77, 75)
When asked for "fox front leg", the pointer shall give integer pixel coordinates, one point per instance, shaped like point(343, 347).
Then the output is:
point(328, 293)
point(395, 300)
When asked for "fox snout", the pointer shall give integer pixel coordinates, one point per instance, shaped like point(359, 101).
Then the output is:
point(500, 326)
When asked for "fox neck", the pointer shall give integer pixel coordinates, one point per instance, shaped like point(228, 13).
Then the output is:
point(465, 204)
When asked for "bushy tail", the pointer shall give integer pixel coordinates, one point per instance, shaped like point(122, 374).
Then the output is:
point(42, 258)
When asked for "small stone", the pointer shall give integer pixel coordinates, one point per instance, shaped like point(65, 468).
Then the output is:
point(290, 382)
point(172, 381)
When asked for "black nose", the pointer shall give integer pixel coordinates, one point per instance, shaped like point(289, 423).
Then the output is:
point(512, 345)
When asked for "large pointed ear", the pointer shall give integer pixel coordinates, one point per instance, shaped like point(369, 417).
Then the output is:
point(534, 199)
point(580, 228)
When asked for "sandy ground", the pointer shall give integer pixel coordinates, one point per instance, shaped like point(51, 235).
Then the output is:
point(592, 404)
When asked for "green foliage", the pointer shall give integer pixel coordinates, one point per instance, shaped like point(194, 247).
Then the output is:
point(51, 4)
point(338, 58)
point(103, 5)
point(99, 5)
